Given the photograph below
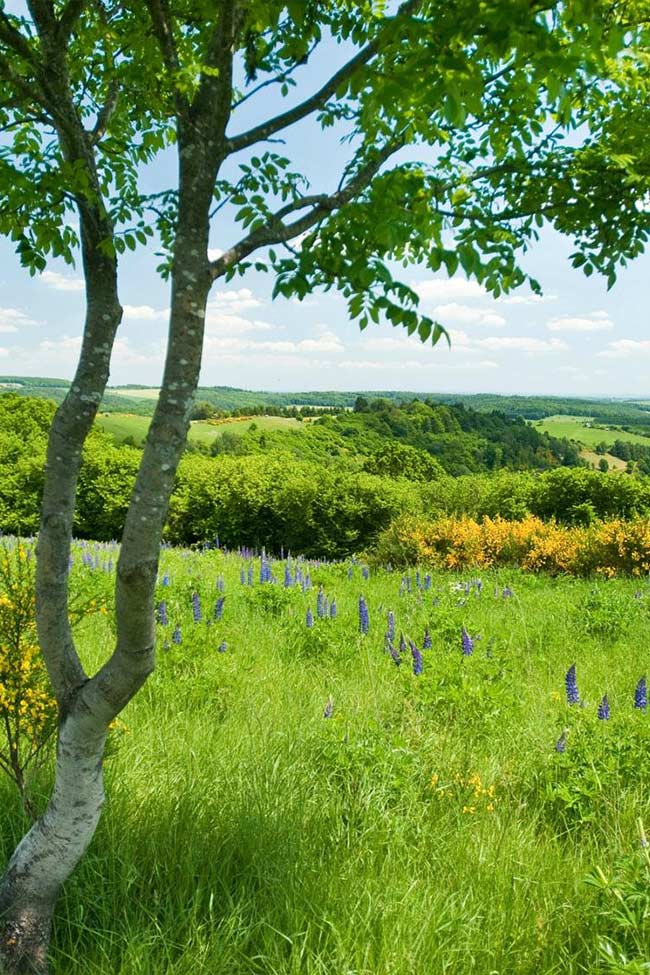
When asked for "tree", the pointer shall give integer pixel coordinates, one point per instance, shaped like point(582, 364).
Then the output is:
point(453, 117)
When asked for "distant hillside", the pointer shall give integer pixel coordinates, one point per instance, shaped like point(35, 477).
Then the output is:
point(633, 414)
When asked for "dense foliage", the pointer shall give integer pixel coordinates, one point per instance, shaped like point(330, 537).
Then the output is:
point(327, 489)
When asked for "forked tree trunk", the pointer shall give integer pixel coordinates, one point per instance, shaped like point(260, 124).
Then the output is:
point(51, 850)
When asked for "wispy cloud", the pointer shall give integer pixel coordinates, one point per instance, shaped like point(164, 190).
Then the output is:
point(61, 282)
point(596, 322)
point(521, 343)
point(466, 315)
point(145, 313)
point(624, 348)
point(240, 300)
point(441, 289)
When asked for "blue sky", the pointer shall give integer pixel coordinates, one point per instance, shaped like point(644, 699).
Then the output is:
point(578, 339)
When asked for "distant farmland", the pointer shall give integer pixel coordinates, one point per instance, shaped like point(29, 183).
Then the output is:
point(578, 428)
point(121, 425)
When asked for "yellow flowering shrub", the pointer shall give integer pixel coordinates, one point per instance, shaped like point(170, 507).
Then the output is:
point(27, 706)
point(608, 548)
point(469, 792)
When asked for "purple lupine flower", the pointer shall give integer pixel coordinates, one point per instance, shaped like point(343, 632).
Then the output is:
point(603, 709)
point(418, 579)
point(196, 607)
point(560, 744)
point(571, 685)
point(417, 660)
point(329, 707)
point(390, 630)
point(221, 585)
point(364, 617)
point(242, 576)
point(223, 646)
point(218, 607)
point(641, 694)
point(365, 572)
point(288, 581)
point(325, 606)
point(265, 570)
point(479, 585)
point(394, 654)
point(333, 610)
point(250, 575)
point(427, 643)
point(507, 592)
point(320, 604)
point(176, 635)
point(309, 618)
point(408, 584)
point(307, 581)
point(428, 581)
point(162, 613)
point(467, 643)
point(402, 643)
point(350, 571)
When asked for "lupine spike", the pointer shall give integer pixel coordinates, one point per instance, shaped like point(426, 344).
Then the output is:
point(560, 744)
point(394, 654)
point(320, 603)
point(641, 694)
point(571, 685)
point(242, 576)
point(176, 635)
point(309, 618)
point(603, 709)
point(196, 607)
point(391, 626)
point(162, 613)
point(329, 707)
point(427, 643)
point(218, 607)
point(333, 610)
point(223, 646)
point(221, 585)
point(417, 660)
point(467, 643)
point(402, 643)
point(364, 617)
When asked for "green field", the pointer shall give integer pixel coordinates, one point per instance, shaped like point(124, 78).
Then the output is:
point(429, 826)
point(578, 428)
point(121, 425)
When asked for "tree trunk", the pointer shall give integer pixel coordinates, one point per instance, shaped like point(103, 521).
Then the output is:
point(50, 851)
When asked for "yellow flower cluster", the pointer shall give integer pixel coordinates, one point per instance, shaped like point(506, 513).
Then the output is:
point(607, 547)
point(27, 707)
point(469, 790)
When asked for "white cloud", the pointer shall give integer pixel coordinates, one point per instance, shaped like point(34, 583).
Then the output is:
point(239, 300)
point(11, 319)
point(525, 299)
point(69, 343)
point(327, 342)
point(60, 282)
point(522, 344)
point(624, 348)
point(438, 289)
point(453, 312)
point(3, 353)
point(597, 322)
point(145, 313)
point(214, 253)
point(223, 323)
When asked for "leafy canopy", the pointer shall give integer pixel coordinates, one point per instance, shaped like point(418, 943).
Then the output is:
point(465, 125)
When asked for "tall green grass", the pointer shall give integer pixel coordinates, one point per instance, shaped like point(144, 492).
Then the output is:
point(246, 834)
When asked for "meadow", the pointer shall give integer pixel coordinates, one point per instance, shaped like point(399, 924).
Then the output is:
point(287, 798)
point(121, 425)
point(579, 428)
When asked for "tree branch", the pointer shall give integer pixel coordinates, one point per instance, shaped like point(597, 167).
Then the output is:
point(15, 40)
point(261, 132)
point(69, 17)
point(275, 231)
point(105, 114)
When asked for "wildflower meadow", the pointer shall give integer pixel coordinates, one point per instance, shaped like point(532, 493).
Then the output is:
point(337, 768)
